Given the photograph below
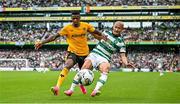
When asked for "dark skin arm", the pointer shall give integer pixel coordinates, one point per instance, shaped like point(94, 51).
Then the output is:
point(49, 39)
point(98, 35)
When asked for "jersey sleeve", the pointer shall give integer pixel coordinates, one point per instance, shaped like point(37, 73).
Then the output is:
point(63, 31)
point(121, 44)
point(122, 49)
point(90, 28)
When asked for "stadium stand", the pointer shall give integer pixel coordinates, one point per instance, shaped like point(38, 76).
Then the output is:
point(68, 3)
point(23, 22)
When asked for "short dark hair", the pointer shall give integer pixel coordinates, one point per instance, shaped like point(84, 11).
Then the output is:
point(75, 12)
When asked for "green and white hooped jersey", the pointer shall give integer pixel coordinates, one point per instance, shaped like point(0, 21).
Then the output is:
point(112, 45)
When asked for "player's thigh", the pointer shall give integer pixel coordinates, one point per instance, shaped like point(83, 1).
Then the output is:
point(80, 61)
point(69, 63)
point(104, 67)
point(71, 60)
point(87, 64)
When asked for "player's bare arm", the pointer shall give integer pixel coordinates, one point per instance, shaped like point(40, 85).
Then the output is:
point(124, 58)
point(38, 44)
point(125, 61)
point(98, 35)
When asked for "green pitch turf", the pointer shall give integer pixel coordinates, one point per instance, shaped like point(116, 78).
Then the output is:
point(121, 87)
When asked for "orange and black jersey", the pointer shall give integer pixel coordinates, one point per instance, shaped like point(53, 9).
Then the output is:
point(76, 37)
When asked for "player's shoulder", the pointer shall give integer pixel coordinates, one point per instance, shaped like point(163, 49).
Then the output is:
point(68, 25)
point(106, 32)
point(65, 28)
point(84, 23)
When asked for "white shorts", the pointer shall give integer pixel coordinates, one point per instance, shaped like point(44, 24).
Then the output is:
point(96, 59)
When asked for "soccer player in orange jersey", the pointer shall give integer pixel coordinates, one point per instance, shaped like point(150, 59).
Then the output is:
point(100, 58)
point(78, 49)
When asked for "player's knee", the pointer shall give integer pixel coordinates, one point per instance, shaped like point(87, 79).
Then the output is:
point(104, 68)
point(69, 64)
point(105, 71)
point(87, 64)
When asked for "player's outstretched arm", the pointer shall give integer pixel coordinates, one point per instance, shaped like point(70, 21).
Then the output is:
point(38, 44)
point(124, 58)
point(125, 61)
point(98, 35)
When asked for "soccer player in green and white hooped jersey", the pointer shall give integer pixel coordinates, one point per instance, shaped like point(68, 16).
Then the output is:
point(112, 45)
point(100, 57)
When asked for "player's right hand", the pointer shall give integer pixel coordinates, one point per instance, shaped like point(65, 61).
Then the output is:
point(131, 65)
point(38, 44)
point(104, 37)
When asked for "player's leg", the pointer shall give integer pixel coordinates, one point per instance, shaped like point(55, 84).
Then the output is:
point(104, 69)
point(73, 85)
point(77, 77)
point(80, 62)
point(161, 72)
point(70, 62)
point(160, 69)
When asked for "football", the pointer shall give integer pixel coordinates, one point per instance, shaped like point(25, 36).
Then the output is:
point(87, 77)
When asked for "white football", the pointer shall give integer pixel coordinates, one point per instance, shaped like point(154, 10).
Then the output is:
point(87, 77)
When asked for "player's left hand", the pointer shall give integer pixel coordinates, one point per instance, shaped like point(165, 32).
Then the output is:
point(37, 44)
point(104, 37)
point(130, 65)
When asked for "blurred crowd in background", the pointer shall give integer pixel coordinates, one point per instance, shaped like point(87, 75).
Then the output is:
point(74, 3)
point(55, 58)
point(142, 58)
point(43, 58)
point(29, 32)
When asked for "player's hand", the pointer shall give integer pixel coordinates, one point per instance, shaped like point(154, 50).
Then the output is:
point(130, 65)
point(38, 44)
point(104, 37)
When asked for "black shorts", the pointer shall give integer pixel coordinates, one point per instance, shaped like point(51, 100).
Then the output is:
point(76, 59)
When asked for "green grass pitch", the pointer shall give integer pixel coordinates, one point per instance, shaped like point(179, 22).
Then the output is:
point(121, 87)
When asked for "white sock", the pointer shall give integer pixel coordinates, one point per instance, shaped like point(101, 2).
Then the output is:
point(75, 82)
point(73, 85)
point(102, 80)
point(161, 71)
